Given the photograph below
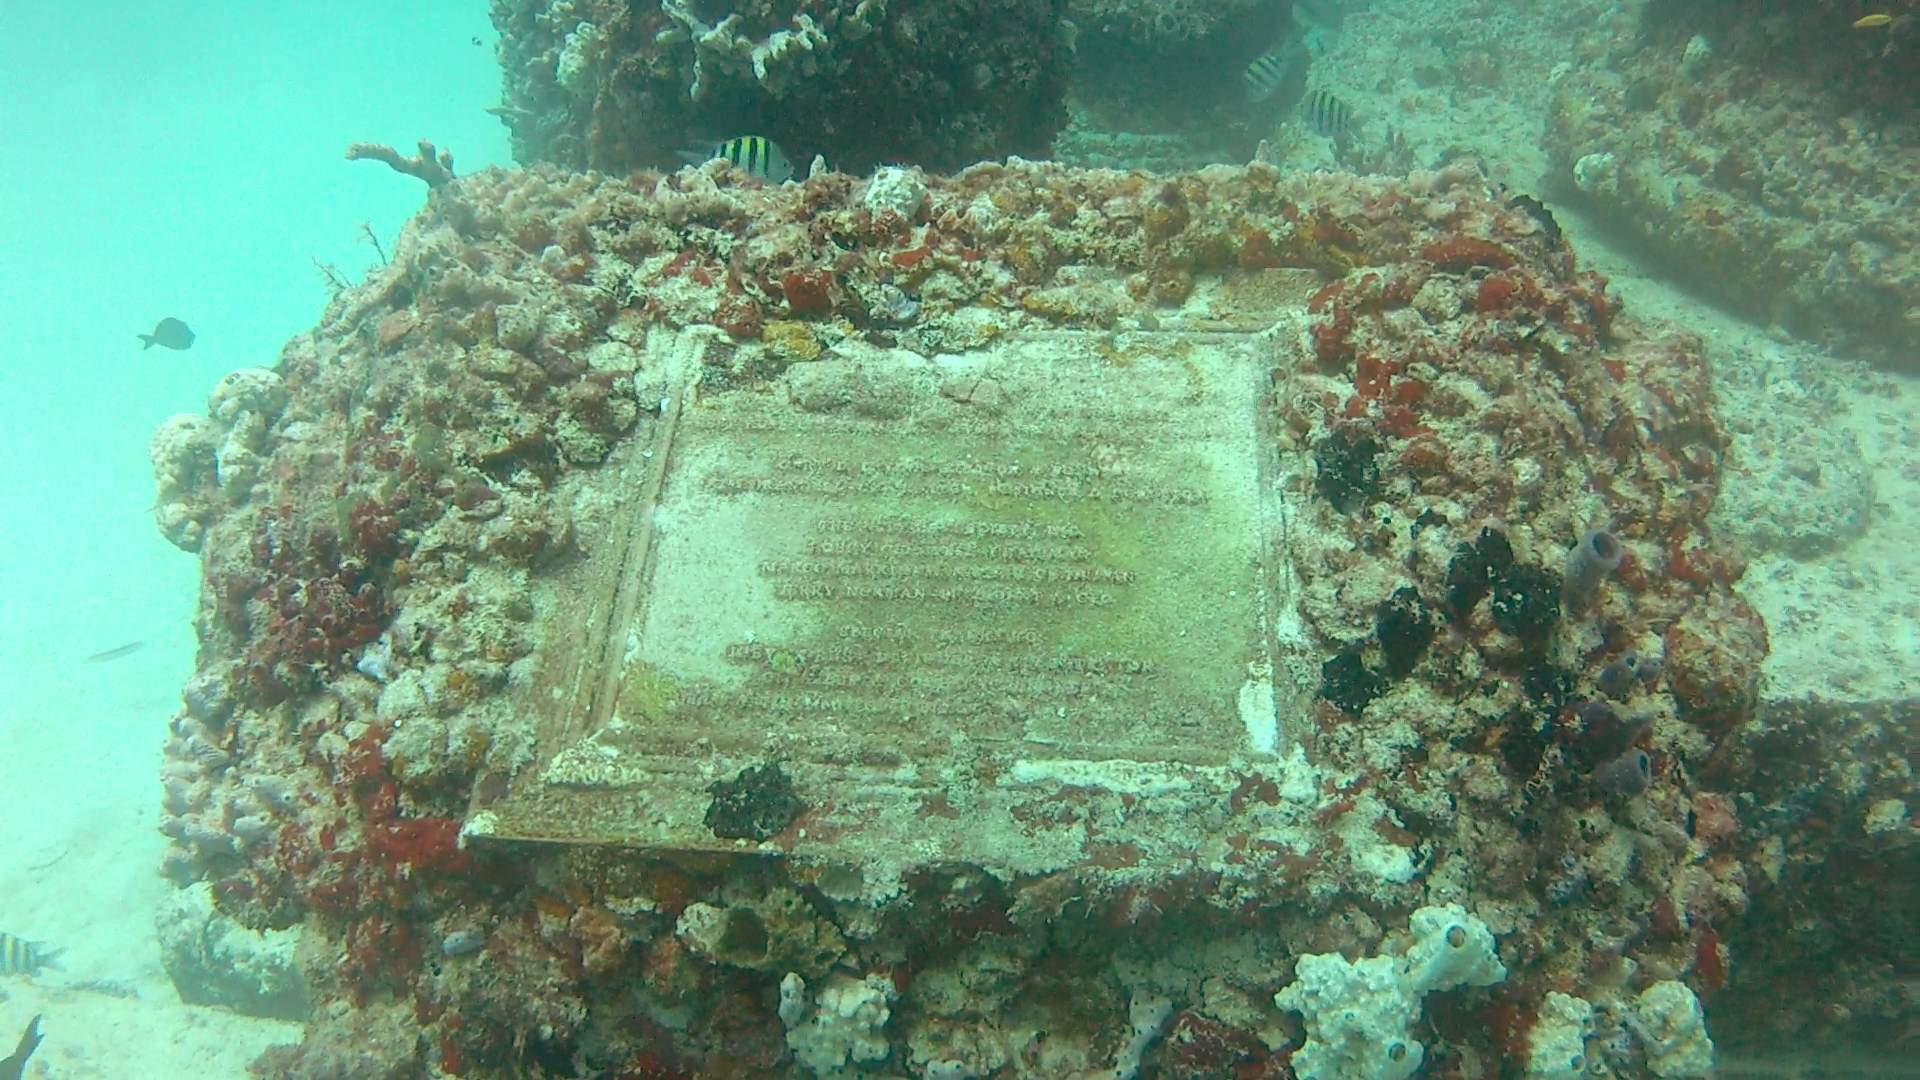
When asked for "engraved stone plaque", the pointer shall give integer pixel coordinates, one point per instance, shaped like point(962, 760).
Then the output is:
point(883, 571)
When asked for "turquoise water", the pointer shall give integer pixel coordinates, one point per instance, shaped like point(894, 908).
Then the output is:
point(160, 159)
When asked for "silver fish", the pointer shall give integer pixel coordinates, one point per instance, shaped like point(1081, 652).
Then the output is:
point(114, 653)
point(19, 956)
point(463, 943)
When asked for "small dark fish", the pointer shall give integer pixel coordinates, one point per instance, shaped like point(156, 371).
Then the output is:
point(115, 653)
point(1538, 211)
point(170, 333)
point(15, 1065)
point(19, 956)
point(1328, 115)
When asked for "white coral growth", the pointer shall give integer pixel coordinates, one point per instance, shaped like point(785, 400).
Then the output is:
point(844, 1024)
point(573, 68)
point(787, 52)
point(719, 48)
point(1359, 1016)
point(1666, 1016)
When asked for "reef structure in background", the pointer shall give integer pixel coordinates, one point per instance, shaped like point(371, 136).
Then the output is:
point(616, 86)
point(1161, 86)
point(1765, 152)
point(389, 520)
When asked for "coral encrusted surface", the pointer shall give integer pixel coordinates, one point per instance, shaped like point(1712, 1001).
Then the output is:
point(1557, 800)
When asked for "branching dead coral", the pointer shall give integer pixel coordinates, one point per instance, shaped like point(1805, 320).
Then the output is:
point(434, 167)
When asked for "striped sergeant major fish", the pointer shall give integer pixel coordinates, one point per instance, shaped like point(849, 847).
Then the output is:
point(1328, 115)
point(1271, 72)
point(755, 155)
point(19, 956)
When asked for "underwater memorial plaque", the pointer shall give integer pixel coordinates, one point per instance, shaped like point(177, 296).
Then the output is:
point(884, 571)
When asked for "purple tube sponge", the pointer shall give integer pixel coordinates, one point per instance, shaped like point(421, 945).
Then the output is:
point(1627, 775)
point(1619, 679)
point(1598, 732)
point(1588, 563)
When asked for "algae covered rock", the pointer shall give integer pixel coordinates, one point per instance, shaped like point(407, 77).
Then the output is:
point(779, 931)
point(213, 960)
point(594, 84)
